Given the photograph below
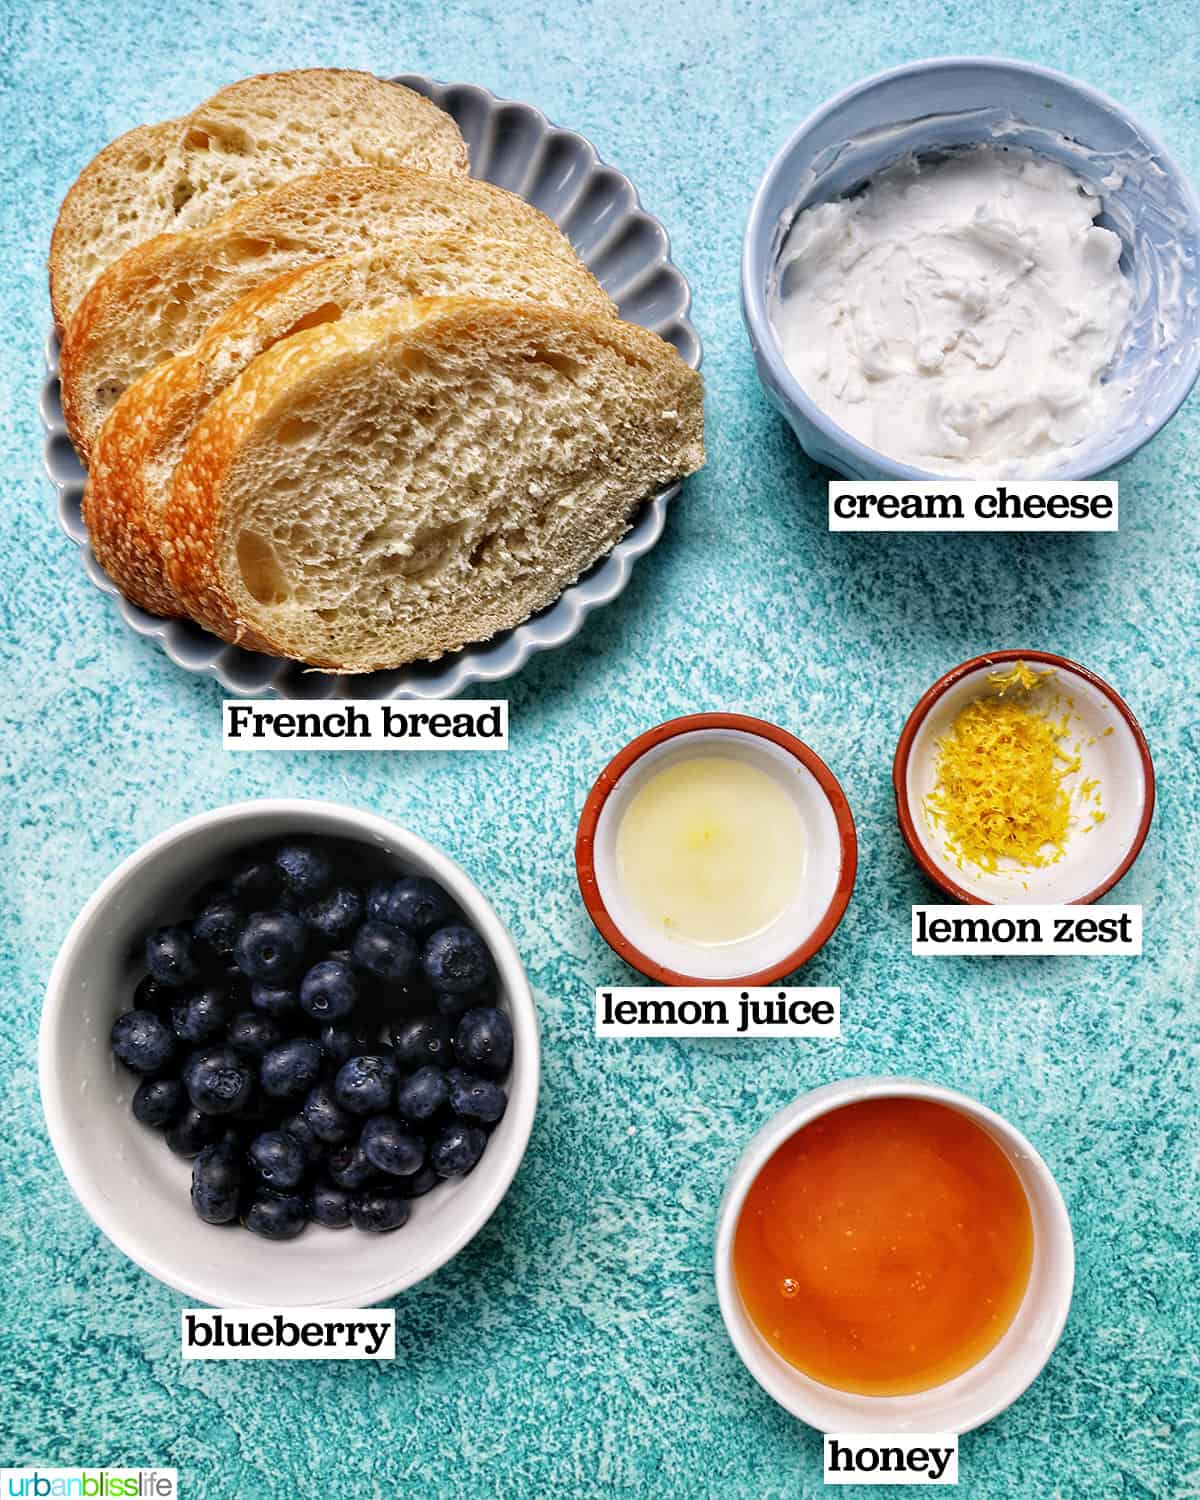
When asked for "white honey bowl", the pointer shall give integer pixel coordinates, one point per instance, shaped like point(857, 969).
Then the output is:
point(987, 1388)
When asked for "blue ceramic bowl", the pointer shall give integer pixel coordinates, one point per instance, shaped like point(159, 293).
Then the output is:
point(946, 102)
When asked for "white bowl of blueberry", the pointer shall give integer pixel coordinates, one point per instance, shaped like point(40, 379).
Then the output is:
point(289, 1057)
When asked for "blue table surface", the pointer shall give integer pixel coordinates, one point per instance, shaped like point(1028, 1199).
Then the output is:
point(576, 1348)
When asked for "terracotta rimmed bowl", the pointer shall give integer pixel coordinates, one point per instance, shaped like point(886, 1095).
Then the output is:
point(831, 850)
point(1113, 752)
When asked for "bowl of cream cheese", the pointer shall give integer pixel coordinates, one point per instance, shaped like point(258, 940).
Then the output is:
point(974, 267)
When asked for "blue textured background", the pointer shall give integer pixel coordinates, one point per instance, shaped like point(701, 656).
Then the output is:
point(576, 1348)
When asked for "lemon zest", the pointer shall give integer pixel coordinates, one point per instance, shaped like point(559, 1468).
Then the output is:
point(999, 790)
point(1019, 676)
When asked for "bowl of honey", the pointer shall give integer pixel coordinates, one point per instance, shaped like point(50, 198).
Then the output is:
point(892, 1255)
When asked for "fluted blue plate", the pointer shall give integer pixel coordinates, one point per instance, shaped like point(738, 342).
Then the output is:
point(514, 146)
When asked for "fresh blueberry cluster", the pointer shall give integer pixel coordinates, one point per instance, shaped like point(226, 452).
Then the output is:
point(323, 1046)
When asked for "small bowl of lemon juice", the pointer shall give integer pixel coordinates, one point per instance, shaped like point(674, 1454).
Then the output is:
point(716, 849)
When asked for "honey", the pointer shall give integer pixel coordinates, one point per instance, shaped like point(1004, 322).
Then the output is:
point(885, 1247)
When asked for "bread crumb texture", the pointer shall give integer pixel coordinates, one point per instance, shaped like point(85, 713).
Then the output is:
point(391, 486)
point(160, 298)
point(249, 137)
point(143, 438)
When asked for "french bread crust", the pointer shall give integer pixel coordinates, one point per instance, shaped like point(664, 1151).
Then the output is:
point(118, 510)
point(249, 137)
point(590, 415)
point(134, 459)
point(160, 297)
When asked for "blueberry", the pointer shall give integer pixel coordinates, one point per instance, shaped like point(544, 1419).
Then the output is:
point(327, 1119)
point(456, 1149)
point(330, 1206)
point(153, 994)
point(364, 1085)
point(391, 1147)
point(192, 1132)
point(276, 1216)
point(211, 890)
point(280, 1001)
point(414, 903)
point(474, 1098)
point(376, 1211)
point(483, 1042)
point(349, 1167)
point(253, 1033)
point(329, 991)
point(158, 1101)
point(225, 971)
point(302, 1133)
point(291, 1068)
point(419, 1183)
point(257, 883)
point(169, 957)
point(422, 1094)
point(200, 1016)
point(142, 1041)
point(456, 959)
point(271, 946)
point(216, 1184)
point(335, 915)
point(454, 1006)
point(306, 871)
point(387, 952)
point(219, 1080)
point(279, 1160)
point(416, 1043)
point(340, 1042)
point(216, 928)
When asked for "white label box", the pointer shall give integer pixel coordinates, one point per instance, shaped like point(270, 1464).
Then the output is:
point(940, 505)
point(891, 1458)
point(365, 724)
point(715, 1011)
point(288, 1333)
point(992, 930)
point(91, 1480)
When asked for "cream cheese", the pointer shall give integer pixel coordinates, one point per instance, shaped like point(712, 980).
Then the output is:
point(959, 315)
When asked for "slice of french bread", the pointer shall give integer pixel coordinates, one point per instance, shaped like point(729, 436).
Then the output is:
point(134, 458)
point(247, 138)
point(160, 297)
point(391, 486)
